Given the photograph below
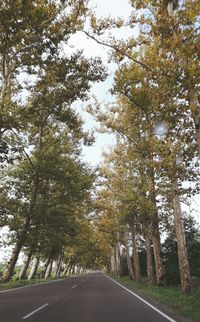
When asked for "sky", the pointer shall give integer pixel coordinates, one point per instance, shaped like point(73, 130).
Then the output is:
point(103, 8)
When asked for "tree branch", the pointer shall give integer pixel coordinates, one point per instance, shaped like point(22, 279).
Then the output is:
point(143, 65)
point(21, 144)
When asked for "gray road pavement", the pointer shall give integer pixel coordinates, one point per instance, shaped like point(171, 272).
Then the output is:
point(88, 298)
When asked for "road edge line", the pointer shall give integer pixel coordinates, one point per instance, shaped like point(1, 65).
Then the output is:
point(141, 299)
point(35, 311)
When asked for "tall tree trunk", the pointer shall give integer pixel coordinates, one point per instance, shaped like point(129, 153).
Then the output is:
point(43, 272)
point(128, 257)
point(78, 270)
point(58, 266)
point(195, 108)
point(181, 242)
point(5, 94)
point(170, 7)
point(8, 273)
point(118, 259)
point(136, 263)
point(65, 272)
point(69, 269)
point(22, 274)
point(22, 234)
point(73, 269)
point(34, 268)
point(160, 270)
point(49, 269)
point(150, 270)
point(113, 262)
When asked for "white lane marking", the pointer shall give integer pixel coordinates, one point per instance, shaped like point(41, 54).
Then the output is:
point(141, 299)
point(30, 314)
point(74, 286)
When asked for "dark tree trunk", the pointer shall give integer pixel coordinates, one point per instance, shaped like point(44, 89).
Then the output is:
point(8, 273)
point(58, 267)
point(113, 262)
point(150, 270)
point(118, 259)
point(136, 263)
point(160, 270)
point(22, 274)
point(22, 234)
point(128, 257)
point(67, 267)
point(49, 269)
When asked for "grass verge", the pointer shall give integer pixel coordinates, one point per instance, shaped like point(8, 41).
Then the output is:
point(185, 305)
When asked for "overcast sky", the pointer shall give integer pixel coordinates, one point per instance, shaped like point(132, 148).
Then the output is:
point(103, 8)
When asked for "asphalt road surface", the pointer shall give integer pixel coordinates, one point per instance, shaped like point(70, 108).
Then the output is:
point(87, 298)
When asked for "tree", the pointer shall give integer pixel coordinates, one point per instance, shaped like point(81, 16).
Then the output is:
point(57, 80)
point(31, 36)
point(171, 252)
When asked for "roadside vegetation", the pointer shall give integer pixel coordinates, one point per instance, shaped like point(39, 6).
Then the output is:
point(172, 297)
point(18, 283)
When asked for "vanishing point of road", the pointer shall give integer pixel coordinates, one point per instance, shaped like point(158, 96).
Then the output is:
point(88, 298)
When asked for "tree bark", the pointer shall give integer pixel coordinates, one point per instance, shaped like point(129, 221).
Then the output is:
point(150, 270)
point(34, 268)
point(118, 259)
point(113, 262)
point(58, 267)
point(43, 272)
point(69, 269)
point(8, 273)
point(22, 234)
point(65, 272)
point(170, 7)
point(22, 274)
point(136, 263)
point(181, 242)
point(5, 94)
point(128, 257)
point(196, 118)
point(49, 269)
point(73, 270)
point(160, 270)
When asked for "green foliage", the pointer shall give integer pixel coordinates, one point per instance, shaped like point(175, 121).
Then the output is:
point(46, 184)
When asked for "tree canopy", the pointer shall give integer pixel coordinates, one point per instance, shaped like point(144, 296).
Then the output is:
point(127, 215)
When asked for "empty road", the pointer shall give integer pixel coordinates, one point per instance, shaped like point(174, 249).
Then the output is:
point(88, 298)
